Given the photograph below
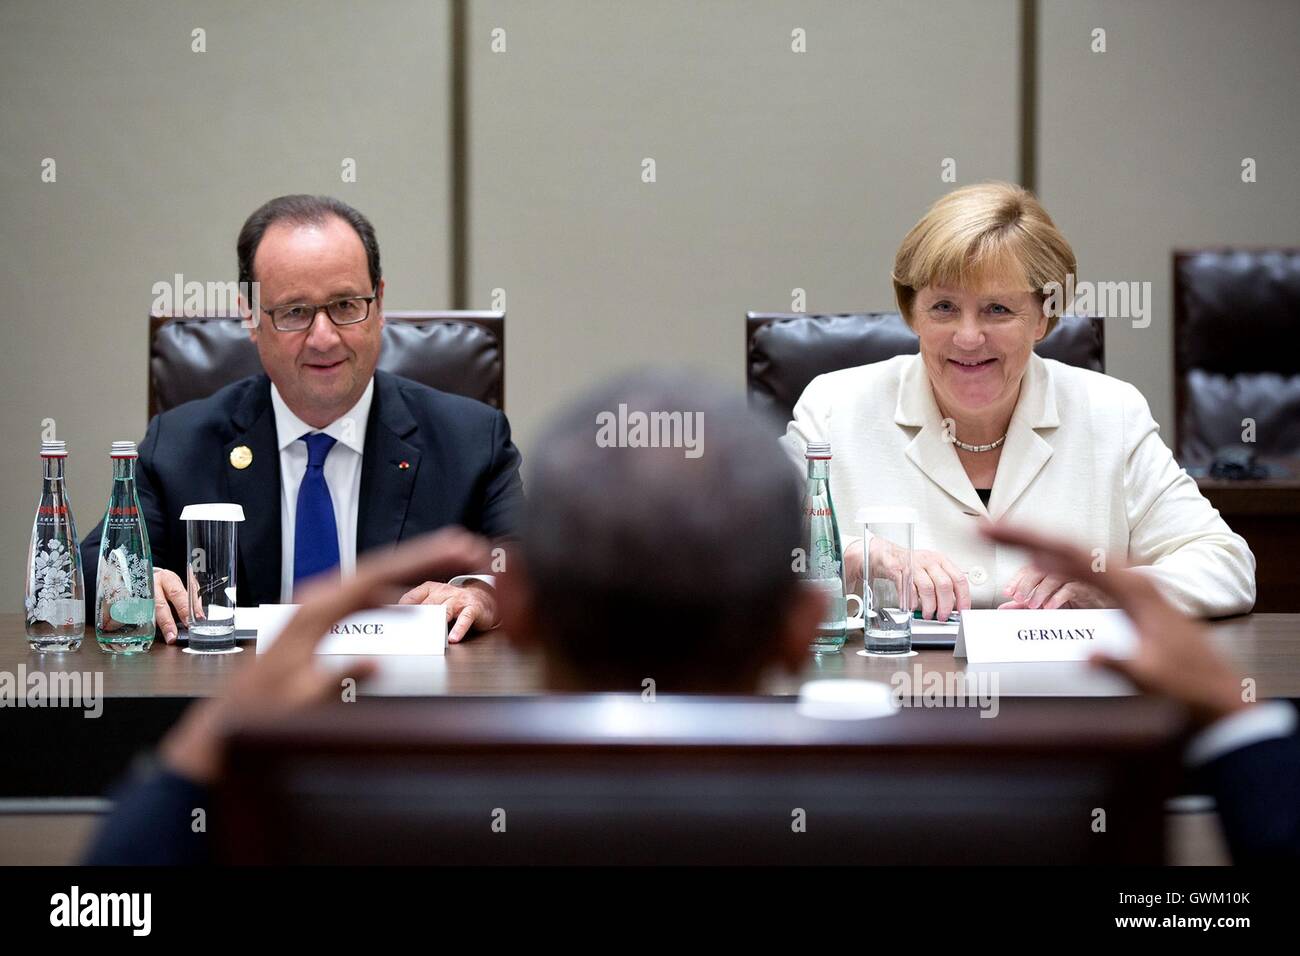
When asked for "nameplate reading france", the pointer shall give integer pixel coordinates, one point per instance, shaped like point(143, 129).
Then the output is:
point(1004, 637)
point(396, 629)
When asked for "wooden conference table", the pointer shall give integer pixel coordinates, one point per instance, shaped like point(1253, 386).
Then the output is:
point(59, 763)
point(59, 752)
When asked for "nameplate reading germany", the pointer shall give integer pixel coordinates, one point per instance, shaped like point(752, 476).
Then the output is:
point(1003, 637)
point(396, 629)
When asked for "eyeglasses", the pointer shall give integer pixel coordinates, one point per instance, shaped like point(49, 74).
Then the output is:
point(299, 316)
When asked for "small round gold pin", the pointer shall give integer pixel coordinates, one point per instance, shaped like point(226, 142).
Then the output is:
point(241, 456)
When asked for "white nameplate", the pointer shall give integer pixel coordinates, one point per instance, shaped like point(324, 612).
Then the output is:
point(396, 629)
point(996, 637)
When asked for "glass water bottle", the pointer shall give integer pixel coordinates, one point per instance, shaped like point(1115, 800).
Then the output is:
point(124, 609)
point(824, 559)
point(55, 595)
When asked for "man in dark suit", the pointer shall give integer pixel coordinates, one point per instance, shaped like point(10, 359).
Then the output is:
point(328, 457)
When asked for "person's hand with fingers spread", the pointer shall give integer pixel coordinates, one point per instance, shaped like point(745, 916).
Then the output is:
point(1032, 587)
point(472, 605)
point(1248, 753)
point(168, 594)
point(289, 675)
point(1174, 657)
point(939, 587)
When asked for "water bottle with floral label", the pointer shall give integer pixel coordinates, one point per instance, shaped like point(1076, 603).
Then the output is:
point(124, 611)
point(55, 594)
point(824, 560)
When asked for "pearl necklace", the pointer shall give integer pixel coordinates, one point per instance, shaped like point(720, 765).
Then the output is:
point(989, 447)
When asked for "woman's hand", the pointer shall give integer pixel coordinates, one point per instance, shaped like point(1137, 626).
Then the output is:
point(1031, 588)
point(853, 568)
point(939, 587)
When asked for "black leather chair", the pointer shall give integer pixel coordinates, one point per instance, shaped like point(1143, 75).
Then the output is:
point(784, 351)
point(458, 352)
point(1236, 313)
point(1234, 359)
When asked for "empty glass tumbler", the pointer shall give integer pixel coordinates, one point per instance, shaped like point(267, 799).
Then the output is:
point(887, 592)
point(212, 549)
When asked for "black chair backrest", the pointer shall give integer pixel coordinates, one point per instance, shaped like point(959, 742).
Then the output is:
point(1235, 319)
point(610, 779)
point(784, 351)
point(458, 352)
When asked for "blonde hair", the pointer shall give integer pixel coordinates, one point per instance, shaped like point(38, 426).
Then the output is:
point(989, 230)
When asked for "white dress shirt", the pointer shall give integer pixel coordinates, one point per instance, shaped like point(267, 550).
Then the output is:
point(1082, 460)
point(342, 475)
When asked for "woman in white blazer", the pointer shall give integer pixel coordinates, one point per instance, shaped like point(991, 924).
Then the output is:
point(977, 426)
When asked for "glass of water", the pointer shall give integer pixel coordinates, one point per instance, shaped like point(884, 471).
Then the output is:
point(887, 580)
point(211, 541)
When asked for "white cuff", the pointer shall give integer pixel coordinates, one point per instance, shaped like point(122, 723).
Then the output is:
point(1275, 718)
point(459, 581)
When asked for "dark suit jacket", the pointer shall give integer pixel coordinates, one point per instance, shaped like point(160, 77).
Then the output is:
point(462, 469)
point(152, 824)
point(1257, 790)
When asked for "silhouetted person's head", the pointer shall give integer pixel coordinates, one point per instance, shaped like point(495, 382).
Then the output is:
point(668, 563)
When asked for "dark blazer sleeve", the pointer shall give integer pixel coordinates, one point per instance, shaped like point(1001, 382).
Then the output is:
point(152, 506)
point(1257, 789)
point(503, 490)
point(152, 824)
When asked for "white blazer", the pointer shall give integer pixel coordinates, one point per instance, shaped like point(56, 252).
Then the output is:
point(1082, 459)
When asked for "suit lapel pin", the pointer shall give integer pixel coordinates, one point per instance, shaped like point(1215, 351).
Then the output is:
point(403, 465)
point(241, 456)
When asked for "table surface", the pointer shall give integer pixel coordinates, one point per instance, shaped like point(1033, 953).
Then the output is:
point(1265, 647)
point(148, 692)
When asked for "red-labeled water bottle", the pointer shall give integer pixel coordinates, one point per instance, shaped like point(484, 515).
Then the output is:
point(124, 611)
point(55, 595)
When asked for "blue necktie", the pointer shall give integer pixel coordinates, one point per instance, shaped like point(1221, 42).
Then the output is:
point(315, 534)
